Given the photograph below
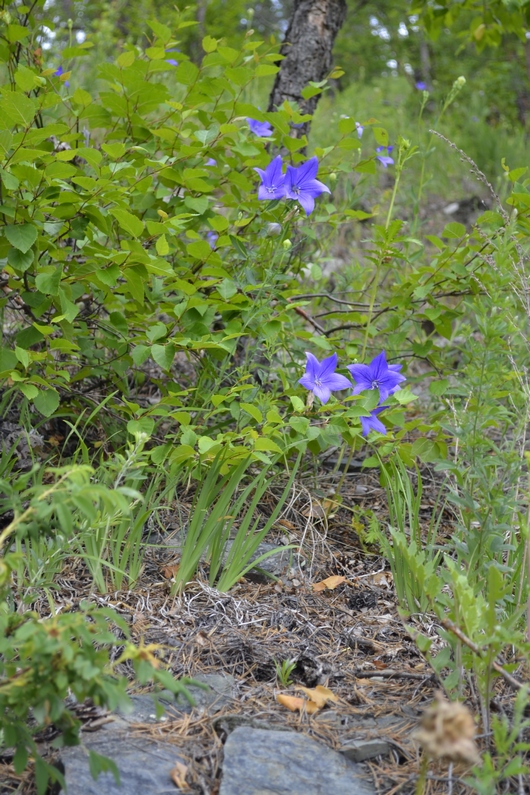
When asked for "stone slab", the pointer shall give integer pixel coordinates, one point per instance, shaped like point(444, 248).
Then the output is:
point(261, 762)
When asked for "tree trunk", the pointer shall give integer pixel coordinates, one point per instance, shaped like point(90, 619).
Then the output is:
point(307, 53)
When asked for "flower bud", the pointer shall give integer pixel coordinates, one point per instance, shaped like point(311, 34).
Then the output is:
point(273, 230)
point(332, 177)
point(287, 245)
point(460, 82)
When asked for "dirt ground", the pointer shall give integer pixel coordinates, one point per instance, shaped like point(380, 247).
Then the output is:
point(349, 639)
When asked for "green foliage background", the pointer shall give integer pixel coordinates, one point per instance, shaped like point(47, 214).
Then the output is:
point(155, 313)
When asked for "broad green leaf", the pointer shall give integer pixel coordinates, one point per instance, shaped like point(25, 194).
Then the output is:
point(29, 390)
point(381, 136)
point(143, 425)
point(48, 280)
point(200, 249)
point(267, 445)
point(254, 412)
point(129, 222)
point(209, 44)
point(163, 355)
point(47, 402)
point(162, 246)
point(126, 59)
point(454, 230)
point(19, 108)
point(21, 236)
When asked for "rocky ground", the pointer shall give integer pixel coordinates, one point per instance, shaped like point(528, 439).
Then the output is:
point(344, 723)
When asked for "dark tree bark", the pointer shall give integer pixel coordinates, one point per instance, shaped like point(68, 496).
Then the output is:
point(307, 53)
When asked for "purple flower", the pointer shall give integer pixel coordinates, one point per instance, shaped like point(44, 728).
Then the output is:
point(211, 237)
point(172, 61)
point(377, 375)
point(272, 180)
point(384, 159)
point(371, 423)
point(320, 377)
point(359, 128)
point(59, 72)
point(300, 184)
point(211, 162)
point(260, 128)
point(421, 85)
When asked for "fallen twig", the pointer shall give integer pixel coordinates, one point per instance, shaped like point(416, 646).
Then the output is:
point(451, 627)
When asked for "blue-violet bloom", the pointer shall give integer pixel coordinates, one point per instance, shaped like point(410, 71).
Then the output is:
point(212, 236)
point(211, 162)
point(359, 128)
point(171, 61)
point(260, 128)
point(59, 72)
point(371, 423)
point(321, 378)
point(272, 180)
point(377, 375)
point(386, 160)
point(301, 184)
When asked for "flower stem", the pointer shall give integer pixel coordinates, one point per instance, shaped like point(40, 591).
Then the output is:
point(422, 777)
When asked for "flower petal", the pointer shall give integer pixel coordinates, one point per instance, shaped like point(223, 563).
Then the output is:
point(378, 366)
point(328, 366)
point(372, 423)
point(337, 381)
point(308, 170)
point(315, 187)
point(322, 392)
point(313, 366)
point(362, 374)
point(307, 202)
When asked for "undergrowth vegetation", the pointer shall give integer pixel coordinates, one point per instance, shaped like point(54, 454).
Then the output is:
point(156, 313)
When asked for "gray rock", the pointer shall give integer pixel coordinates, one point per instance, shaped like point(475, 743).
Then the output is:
point(360, 750)
point(144, 766)
point(260, 762)
point(219, 694)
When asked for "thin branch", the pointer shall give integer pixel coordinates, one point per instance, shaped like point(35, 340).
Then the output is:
point(451, 627)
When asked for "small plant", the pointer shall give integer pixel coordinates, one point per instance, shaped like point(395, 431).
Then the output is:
point(284, 669)
point(217, 510)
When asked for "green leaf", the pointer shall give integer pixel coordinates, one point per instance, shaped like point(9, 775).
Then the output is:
point(404, 396)
point(297, 403)
point(254, 412)
point(29, 390)
point(264, 70)
point(21, 236)
point(200, 249)
point(126, 59)
point(206, 443)
point(438, 387)
point(186, 73)
point(129, 222)
point(23, 357)
point(47, 401)
point(16, 32)
point(454, 230)
point(265, 444)
point(381, 136)
point(19, 108)
point(114, 150)
point(163, 355)
point(143, 425)
point(346, 126)
point(20, 260)
point(162, 246)
point(209, 44)
point(48, 280)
